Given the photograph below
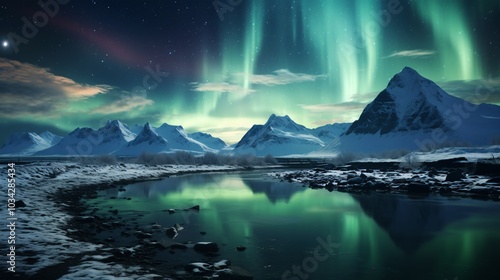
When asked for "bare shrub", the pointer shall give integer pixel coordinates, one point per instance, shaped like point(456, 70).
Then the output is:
point(495, 140)
point(410, 161)
point(269, 159)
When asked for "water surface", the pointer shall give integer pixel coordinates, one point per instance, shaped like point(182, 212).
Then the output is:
point(285, 228)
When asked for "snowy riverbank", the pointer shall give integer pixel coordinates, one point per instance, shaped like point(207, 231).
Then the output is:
point(42, 243)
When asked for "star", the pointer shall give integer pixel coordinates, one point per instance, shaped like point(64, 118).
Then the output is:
point(5, 44)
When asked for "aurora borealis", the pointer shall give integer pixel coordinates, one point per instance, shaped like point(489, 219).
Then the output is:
point(221, 66)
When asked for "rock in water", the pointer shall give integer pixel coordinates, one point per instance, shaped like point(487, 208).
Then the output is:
point(235, 273)
point(20, 203)
point(241, 248)
point(206, 247)
point(418, 188)
point(171, 232)
point(195, 208)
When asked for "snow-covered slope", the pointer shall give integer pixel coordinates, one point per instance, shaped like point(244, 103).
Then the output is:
point(207, 139)
point(178, 139)
point(114, 135)
point(87, 141)
point(414, 113)
point(109, 139)
point(27, 143)
point(279, 136)
point(79, 142)
point(147, 141)
point(50, 137)
point(330, 132)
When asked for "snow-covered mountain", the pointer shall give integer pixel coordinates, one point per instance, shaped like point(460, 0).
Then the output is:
point(279, 136)
point(27, 143)
point(146, 141)
point(50, 137)
point(330, 132)
point(81, 141)
point(87, 141)
point(179, 139)
point(114, 136)
point(209, 141)
point(416, 114)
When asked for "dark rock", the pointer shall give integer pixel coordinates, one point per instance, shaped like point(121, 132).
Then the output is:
point(418, 188)
point(206, 247)
point(433, 172)
point(19, 204)
point(355, 181)
point(363, 176)
point(400, 181)
point(455, 176)
point(171, 232)
point(241, 248)
point(235, 273)
point(445, 190)
point(480, 190)
point(451, 160)
point(487, 167)
point(380, 186)
point(195, 208)
point(178, 246)
point(368, 185)
point(171, 211)
point(494, 180)
point(199, 267)
point(143, 235)
point(351, 175)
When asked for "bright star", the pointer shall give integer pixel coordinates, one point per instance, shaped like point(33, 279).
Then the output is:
point(5, 44)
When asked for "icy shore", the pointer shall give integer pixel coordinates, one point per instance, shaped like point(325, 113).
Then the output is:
point(42, 243)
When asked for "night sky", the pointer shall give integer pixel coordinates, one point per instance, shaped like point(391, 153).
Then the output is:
point(221, 66)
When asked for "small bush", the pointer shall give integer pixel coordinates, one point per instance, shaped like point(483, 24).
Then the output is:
point(211, 159)
point(410, 161)
point(495, 140)
point(99, 160)
point(185, 158)
point(269, 159)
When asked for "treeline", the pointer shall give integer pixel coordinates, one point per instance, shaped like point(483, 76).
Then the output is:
point(184, 158)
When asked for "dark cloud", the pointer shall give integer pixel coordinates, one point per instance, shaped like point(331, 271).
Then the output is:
point(27, 89)
point(475, 91)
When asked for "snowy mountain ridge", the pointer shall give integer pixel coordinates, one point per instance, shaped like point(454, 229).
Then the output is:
point(281, 136)
point(114, 137)
point(414, 113)
point(26, 143)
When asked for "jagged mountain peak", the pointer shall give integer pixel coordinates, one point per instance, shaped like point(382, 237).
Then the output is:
point(116, 129)
point(147, 135)
point(410, 102)
point(282, 122)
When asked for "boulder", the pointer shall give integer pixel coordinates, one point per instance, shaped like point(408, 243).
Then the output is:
point(355, 181)
point(455, 175)
point(171, 232)
point(241, 248)
point(206, 247)
point(235, 273)
point(418, 188)
point(20, 204)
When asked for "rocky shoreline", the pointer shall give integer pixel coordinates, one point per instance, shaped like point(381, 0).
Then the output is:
point(481, 180)
point(149, 242)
